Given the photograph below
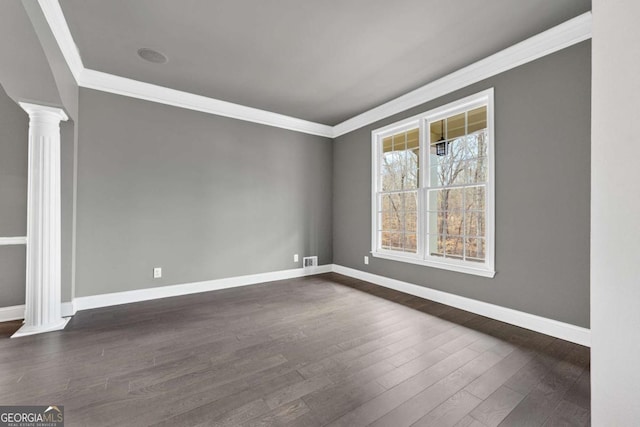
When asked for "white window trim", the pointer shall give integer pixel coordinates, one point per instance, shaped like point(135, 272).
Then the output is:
point(487, 269)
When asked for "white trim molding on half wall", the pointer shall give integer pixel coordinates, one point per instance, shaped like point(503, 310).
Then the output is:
point(19, 240)
point(554, 328)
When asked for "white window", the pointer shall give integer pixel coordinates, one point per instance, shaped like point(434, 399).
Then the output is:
point(433, 188)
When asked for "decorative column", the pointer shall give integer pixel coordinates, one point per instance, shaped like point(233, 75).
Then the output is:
point(43, 296)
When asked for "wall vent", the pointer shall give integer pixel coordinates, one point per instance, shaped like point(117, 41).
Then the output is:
point(310, 261)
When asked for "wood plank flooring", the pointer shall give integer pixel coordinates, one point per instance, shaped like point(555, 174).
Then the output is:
point(315, 351)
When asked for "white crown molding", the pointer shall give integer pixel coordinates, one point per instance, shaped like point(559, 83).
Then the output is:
point(557, 38)
point(58, 24)
point(97, 80)
point(564, 35)
point(540, 324)
point(105, 82)
point(4, 241)
point(117, 298)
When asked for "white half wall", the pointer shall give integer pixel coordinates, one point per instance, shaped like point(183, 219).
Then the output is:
point(615, 214)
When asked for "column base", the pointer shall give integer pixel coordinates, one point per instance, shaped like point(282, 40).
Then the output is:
point(33, 330)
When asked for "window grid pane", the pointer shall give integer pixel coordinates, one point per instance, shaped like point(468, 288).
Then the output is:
point(456, 227)
point(399, 161)
point(457, 186)
point(398, 201)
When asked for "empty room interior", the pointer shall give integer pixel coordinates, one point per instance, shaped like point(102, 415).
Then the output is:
point(311, 213)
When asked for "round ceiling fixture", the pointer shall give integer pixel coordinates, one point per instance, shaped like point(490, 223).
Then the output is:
point(152, 55)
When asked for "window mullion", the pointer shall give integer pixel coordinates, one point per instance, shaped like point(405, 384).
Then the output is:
point(423, 167)
point(403, 212)
point(464, 192)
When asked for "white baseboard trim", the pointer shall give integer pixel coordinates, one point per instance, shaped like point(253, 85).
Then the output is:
point(565, 331)
point(96, 301)
point(68, 309)
point(116, 298)
point(14, 312)
point(554, 328)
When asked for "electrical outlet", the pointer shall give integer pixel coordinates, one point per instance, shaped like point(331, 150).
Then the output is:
point(366, 260)
point(157, 272)
point(295, 258)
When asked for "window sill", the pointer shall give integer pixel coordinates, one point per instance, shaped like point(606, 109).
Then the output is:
point(441, 265)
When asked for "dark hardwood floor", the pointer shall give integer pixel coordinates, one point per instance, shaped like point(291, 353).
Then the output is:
point(314, 351)
point(9, 328)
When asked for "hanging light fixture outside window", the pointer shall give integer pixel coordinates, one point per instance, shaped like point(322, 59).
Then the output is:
point(442, 146)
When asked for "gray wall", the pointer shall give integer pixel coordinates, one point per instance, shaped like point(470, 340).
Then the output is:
point(615, 204)
point(203, 197)
point(542, 119)
point(68, 136)
point(65, 83)
point(25, 73)
point(14, 131)
point(14, 138)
